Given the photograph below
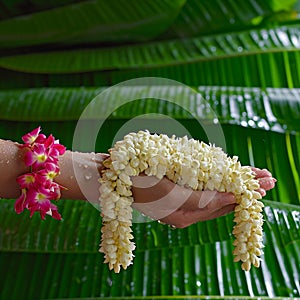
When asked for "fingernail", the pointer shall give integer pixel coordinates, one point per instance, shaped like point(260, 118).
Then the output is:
point(274, 179)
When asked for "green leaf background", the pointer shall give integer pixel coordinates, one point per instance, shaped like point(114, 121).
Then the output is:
point(241, 57)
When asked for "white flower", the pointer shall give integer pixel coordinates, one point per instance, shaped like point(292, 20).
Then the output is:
point(186, 162)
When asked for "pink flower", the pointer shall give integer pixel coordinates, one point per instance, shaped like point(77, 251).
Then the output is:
point(55, 190)
point(58, 147)
point(36, 157)
point(49, 172)
point(30, 137)
point(56, 150)
point(39, 200)
point(38, 186)
point(49, 141)
point(26, 180)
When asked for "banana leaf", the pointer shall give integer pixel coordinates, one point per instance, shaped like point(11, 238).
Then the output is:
point(89, 22)
point(79, 232)
point(261, 126)
point(206, 17)
point(193, 261)
point(271, 108)
point(262, 68)
point(9, 9)
point(194, 18)
point(59, 260)
point(159, 54)
point(62, 258)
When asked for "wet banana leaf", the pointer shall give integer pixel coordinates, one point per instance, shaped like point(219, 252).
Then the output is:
point(159, 54)
point(261, 126)
point(79, 232)
point(89, 22)
point(193, 261)
point(263, 58)
point(272, 109)
point(206, 17)
point(265, 69)
point(194, 17)
point(60, 260)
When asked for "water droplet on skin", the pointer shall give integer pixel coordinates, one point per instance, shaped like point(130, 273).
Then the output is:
point(85, 166)
point(87, 176)
point(79, 165)
point(7, 161)
point(71, 177)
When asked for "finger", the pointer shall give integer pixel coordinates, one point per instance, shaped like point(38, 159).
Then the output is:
point(259, 173)
point(182, 218)
point(262, 192)
point(267, 183)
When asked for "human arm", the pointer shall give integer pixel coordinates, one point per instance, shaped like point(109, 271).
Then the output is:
point(12, 165)
point(79, 174)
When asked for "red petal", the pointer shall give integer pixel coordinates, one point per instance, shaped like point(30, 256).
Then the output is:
point(54, 212)
point(42, 214)
point(40, 139)
point(20, 203)
point(30, 137)
point(51, 167)
point(60, 148)
point(39, 149)
point(49, 141)
point(56, 215)
point(29, 158)
point(26, 180)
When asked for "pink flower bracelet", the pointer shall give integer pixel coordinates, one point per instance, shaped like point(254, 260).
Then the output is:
point(38, 186)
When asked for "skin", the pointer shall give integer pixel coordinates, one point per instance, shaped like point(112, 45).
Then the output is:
point(182, 207)
point(159, 199)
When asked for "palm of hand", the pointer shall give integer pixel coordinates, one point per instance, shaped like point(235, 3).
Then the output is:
point(180, 207)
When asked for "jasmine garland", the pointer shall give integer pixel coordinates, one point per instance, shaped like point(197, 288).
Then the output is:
point(189, 163)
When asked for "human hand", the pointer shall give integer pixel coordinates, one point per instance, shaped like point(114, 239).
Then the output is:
point(180, 207)
point(266, 181)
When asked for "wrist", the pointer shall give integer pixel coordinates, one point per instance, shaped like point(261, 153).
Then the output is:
point(12, 165)
point(80, 173)
point(38, 187)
